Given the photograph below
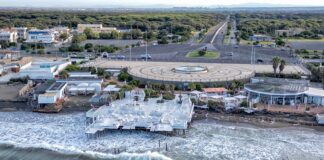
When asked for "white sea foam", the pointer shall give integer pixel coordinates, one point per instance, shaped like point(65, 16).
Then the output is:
point(65, 133)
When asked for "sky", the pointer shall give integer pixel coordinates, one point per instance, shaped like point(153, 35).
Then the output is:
point(184, 3)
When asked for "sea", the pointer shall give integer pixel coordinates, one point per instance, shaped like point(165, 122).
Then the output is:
point(34, 136)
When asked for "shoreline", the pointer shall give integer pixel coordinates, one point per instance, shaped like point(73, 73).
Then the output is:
point(261, 121)
point(203, 134)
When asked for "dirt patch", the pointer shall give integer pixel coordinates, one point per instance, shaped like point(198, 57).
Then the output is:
point(10, 92)
point(76, 104)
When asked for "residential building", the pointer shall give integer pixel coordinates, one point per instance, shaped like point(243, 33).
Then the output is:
point(21, 32)
point(289, 32)
point(54, 93)
point(61, 30)
point(44, 70)
point(41, 36)
point(97, 28)
point(260, 38)
point(215, 91)
point(9, 54)
point(9, 35)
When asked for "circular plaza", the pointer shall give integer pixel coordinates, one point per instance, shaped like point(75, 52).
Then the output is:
point(179, 73)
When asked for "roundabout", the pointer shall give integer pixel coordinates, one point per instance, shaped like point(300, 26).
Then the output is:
point(177, 73)
point(184, 72)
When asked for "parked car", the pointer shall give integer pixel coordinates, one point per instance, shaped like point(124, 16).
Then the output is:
point(120, 57)
point(143, 56)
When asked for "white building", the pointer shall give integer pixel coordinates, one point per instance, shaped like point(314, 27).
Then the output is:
point(289, 32)
point(82, 75)
point(44, 70)
point(61, 30)
point(54, 93)
point(260, 38)
point(41, 36)
point(97, 28)
point(83, 85)
point(8, 35)
point(133, 112)
point(22, 32)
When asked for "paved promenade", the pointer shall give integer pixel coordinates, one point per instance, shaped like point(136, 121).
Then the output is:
point(163, 71)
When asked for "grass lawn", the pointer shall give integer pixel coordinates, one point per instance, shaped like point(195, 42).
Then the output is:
point(311, 54)
point(209, 54)
point(245, 42)
point(304, 40)
point(227, 39)
point(266, 43)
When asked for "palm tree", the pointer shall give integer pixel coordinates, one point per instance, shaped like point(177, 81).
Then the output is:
point(275, 64)
point(64, 74)
point(282, 66)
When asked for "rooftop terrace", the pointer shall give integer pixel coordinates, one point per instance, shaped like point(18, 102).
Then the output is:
point(129, 114)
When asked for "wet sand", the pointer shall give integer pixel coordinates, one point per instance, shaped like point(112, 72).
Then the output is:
point(253, 120)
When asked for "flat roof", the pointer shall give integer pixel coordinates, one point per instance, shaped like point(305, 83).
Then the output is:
point(43, 87)
point(48, 95)
point(215, 90)
point(315, 92)
point(56, 86)
point(151, 115)
point(88, 79)
point(277, 86)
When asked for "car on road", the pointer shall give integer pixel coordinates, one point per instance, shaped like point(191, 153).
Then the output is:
point(259, 61)
point(144, 56)
point(229, 54)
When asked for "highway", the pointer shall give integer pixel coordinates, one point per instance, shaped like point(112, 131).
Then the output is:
point(214, 40)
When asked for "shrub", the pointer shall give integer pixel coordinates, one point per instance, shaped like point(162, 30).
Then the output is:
point(193, 100)
point(150, 93)
point(201, 103)
point(215, 105)
point(244, 104)
point(72, 67)
point(168, 96)
point(124, 76)
point(134, 82)
point(23, 80)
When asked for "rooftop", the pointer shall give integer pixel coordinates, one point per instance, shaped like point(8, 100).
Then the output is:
point(277, 86)
point(40, 89)
point(87, 79)
point(56, 86)
point(215, 90)
point(130, 114)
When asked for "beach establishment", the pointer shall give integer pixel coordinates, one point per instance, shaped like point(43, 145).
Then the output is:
point(283, 92)
point(134, 112)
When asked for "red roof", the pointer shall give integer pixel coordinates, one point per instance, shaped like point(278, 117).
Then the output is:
point(215, 90)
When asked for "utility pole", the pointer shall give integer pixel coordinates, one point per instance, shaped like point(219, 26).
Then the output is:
point(146, 45)
point(252, 54)
point(130, 47)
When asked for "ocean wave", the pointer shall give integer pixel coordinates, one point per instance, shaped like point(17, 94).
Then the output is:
point(65, 134)
point(91, 154)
